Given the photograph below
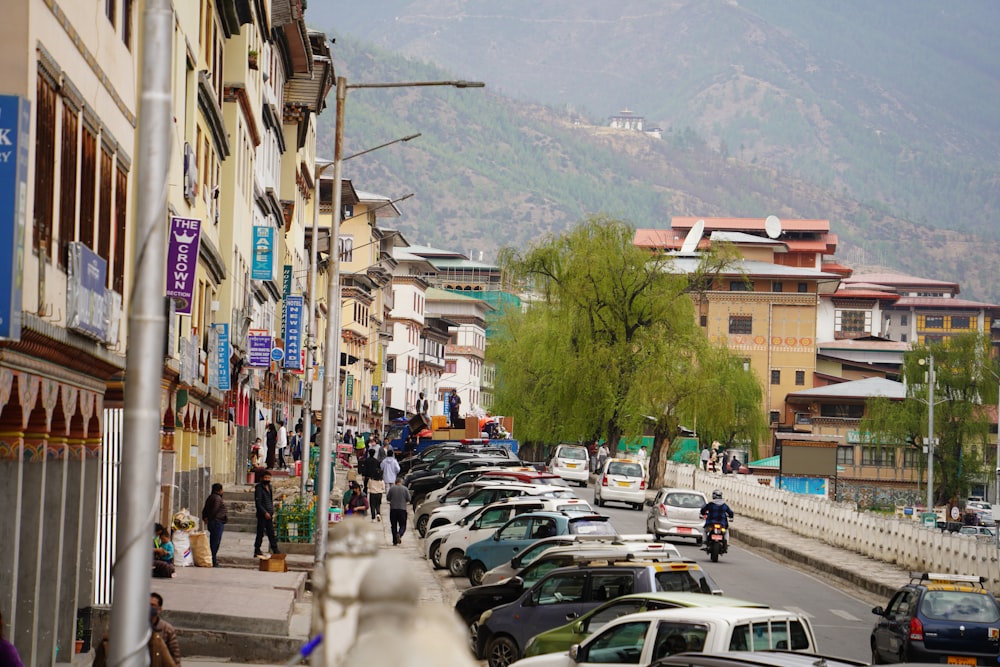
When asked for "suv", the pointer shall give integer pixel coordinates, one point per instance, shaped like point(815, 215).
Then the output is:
point(504, 631)
point(689, 577)
point(523, 531)
point(572, 463)
point(938, 618)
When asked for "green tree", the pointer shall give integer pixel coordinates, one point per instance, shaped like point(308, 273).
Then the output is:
point(965, 379)
point(609, 345)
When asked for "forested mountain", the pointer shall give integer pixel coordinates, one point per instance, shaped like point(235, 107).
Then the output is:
point(859, 117)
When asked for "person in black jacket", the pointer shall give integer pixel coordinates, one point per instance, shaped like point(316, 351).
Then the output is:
point(214, 515)
point(370, 467)
point(263, 500)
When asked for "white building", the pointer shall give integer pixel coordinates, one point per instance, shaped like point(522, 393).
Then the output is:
point(466, 349)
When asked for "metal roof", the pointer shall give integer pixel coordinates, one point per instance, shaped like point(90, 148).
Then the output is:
point(858, 389)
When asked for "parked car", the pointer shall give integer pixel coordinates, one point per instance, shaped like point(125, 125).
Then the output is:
point(621, 480)
point(474, 601)
point(770, 658)
point(464, 477)
point(571, 463)
point(938, 618)
point(423, 485)
point(423, 511)
point(521, 531)
point(490, 493)
point(428, 455)
point(676, 513)
point(529, 476)
point(527, 555)
point(643, 639)
point(452, 545)
point(563, 637)
point(983, 531)
point(982, 509)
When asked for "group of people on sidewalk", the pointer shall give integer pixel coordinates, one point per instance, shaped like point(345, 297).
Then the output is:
point(726, 464)
point(379, 472)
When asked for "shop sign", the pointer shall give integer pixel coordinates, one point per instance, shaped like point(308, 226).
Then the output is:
point(182, 261)
point(262, 266)
point(294, 306)
point(15, 120)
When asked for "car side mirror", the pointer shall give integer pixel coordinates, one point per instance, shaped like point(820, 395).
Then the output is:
point(878, 611)
point(574, 653)
point(517, 582)
point(577, 627)
point(496, 536)
point(464, 503)
point(649, 502)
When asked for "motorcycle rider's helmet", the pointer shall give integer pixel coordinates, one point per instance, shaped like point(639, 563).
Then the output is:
point(716, 495)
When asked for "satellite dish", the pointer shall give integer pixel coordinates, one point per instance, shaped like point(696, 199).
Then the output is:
point(772, 226)
point(693, 237)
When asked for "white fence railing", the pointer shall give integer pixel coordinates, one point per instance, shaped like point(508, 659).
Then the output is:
point(900, 541)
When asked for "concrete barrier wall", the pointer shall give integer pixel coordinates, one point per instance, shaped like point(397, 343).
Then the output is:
point(900, 541)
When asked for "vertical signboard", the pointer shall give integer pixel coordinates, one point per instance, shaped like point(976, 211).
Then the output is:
point(286, 280)
point(293, 332)
point(86, 294)
point(262, 267)
point(182, 260)
point(221, 356)
point(259, 348)
point(15, 118)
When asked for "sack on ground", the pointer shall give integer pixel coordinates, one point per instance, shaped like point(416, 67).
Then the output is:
point(201, 549)
point(182, 548)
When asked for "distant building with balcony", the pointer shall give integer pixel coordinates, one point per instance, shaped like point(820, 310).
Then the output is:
point(626, 119)
point(465, 352)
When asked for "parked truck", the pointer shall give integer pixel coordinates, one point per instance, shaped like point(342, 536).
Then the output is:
point(401, 429)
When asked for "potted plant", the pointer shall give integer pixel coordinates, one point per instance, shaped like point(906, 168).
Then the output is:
point(78, 645)
point(252, 58)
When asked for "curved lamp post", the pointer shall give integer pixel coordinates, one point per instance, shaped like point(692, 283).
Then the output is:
point(331, 363)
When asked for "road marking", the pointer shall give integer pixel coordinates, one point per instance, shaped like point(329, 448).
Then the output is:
point(845, 615)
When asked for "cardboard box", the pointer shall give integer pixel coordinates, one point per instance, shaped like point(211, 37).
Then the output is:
point(276, 563)
point(471, 427)
point(439, 422)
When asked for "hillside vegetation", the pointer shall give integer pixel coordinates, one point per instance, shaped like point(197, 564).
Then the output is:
point(490, 171)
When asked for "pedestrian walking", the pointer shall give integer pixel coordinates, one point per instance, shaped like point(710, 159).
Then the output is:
point(376, 489)
point(399, 498)
point(371, 467)
point(296, 443)
point(214, 515)
point(706, 456)
point(358, 501)
point(271, 438)
point(390, 468)
point(282, 444)
point(725, 464)
point(602, 457)
point(263, 500)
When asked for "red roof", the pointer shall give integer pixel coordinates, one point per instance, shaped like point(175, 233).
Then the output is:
point(748, 224)
point(863, 294)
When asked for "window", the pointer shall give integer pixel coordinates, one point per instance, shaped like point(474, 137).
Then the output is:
point(775, 376)
point(109, 10)
point(845, 455)
point(450, 366)
point(622, 643)
point(741, 324)
point(777, 287)
point(960, 322)
point(904, 320)
point(803, 287)
point(604, 587)
point(560, 588)
point(45, 158)
point(67, 183)
point(88, 185)
point(104, 228)
point(740, 286)
point(902, 338)
point(128, 9)
point(877, 456)
point(842, 411)
point(703, 321)
point(346, 248)
point(774, 417)
point(912, 458)
point(121, 231)
point(852, 322)
point(800, 378)
point(934, 322)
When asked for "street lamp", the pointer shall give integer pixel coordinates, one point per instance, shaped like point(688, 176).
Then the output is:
point(331, 379)
point(930, 430)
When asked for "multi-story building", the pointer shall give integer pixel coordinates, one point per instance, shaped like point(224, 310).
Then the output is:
point(68, 106)
point(764, 305)
point(407, 320)
point(465, 352)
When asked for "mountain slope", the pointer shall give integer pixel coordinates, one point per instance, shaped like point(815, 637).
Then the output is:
point(489, 171)
point(891, 102)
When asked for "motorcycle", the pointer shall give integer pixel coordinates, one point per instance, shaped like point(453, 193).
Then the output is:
point(716, 542)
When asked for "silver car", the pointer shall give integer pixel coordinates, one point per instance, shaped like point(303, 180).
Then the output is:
point(676, 513)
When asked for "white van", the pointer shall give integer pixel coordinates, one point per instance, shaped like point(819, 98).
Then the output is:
point(572, 463)
point(640, 639)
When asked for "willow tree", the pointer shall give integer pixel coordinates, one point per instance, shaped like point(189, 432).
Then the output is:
point(965, 381)
point(608, 331)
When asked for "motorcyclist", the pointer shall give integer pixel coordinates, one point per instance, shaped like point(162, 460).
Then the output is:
point(716, 511)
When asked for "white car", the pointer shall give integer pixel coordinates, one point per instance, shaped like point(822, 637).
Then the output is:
point(451, 546)
point(622, 480)
point(464, 477)
point(640, 639)
point(572, 463)
point(984, 510)
point(490, 494)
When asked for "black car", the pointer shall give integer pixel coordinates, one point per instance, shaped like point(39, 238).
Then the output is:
point(946, 618)
point(420, 486)
point(428, 455)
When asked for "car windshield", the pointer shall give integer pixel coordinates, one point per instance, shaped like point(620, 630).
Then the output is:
point(578, 507)
point(578, 453)
point(685, 581)
point(686, 500)
point(625, 469)
point(591, 526)
point(959, 606)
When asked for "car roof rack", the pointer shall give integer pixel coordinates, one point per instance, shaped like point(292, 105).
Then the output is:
point(945, 578)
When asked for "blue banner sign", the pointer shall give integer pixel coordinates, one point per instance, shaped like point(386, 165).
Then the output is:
point(222, 356)
point(262, 266)
point(15, 119)
point(86, 294)
point(294, 305)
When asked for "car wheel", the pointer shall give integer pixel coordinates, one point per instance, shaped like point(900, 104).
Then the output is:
point(456, 563)
point(501, 651)
point(422, 524)
point(598, 501)
point(583, 484)
point(875, 658)
point(436, 555)
point(697, 541)
point(637, 506)
point(476, 570)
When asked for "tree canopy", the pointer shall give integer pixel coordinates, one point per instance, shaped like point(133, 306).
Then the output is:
point(609, 346)
point(965, 380)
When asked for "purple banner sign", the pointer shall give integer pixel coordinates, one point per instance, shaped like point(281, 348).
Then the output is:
point(182, 260)
point(259, 348)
